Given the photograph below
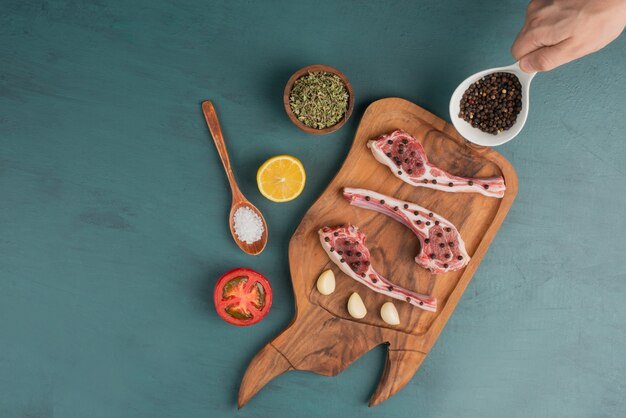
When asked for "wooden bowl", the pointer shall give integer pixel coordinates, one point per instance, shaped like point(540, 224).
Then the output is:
point(311, 69)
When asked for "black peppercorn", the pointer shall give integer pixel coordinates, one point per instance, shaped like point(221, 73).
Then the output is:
point(492, 103)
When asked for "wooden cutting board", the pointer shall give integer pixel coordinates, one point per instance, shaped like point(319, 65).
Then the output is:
point(323, 337)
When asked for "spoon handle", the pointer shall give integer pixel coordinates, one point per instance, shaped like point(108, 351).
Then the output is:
point(216, 132)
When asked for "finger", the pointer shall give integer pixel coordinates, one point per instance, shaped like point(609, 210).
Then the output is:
point(537, 35)
point(532, 6)
point(548, 57)
point(526, 42)
point(523, 45)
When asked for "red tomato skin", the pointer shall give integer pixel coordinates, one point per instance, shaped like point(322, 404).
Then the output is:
point(252, 274)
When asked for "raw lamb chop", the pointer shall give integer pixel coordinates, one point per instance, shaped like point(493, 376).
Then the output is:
point(441, 247)
point(345, 245)
point(406, 158)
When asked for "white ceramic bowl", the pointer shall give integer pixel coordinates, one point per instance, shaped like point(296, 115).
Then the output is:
point(477, 136)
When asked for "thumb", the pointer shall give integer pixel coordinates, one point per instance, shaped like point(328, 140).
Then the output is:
point(547, 58)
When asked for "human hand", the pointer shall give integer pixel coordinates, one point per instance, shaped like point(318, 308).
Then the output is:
point(559, 31)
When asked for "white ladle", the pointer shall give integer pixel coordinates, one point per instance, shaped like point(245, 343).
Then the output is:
point(477, 136)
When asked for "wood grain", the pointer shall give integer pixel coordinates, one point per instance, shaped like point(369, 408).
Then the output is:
point(323, 338)
point(311, 69)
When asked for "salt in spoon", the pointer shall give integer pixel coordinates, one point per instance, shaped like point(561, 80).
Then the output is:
point(239, 199)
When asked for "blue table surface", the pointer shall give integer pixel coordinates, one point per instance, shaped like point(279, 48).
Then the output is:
point(113, 208)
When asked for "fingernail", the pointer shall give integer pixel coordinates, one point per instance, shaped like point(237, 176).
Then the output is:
point(526, 66)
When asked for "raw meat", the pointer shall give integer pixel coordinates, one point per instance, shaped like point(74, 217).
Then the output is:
point(441, 247)
point(406, 158)
point(345, 245)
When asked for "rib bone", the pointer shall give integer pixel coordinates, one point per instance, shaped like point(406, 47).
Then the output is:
point(441, 247)
point(405, 157)
point(345, 245)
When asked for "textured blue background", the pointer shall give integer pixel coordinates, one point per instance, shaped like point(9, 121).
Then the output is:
point(113, 206)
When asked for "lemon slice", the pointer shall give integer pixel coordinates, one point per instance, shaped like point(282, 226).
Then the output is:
point(281, 178)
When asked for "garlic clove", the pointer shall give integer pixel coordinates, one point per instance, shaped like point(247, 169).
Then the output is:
point(356, 307)
point(326, 282)
point(389, 314)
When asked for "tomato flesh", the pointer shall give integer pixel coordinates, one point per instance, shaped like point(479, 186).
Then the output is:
point(242, 297)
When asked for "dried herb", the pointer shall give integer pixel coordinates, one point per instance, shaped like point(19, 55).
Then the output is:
point(319, 99)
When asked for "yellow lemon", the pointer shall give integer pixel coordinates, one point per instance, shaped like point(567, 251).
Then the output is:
point(281, 178)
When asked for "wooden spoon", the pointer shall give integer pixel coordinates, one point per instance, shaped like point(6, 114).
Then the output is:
point(239, 199)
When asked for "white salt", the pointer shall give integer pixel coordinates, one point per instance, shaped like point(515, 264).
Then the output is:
point(248, 225)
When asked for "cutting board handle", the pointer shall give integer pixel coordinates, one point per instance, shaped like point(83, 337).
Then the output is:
point(327, 351)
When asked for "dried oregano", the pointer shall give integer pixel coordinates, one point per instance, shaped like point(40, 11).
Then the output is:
point(319, 99)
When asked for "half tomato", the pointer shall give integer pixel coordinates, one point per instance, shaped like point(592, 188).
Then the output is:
point(242, 297)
